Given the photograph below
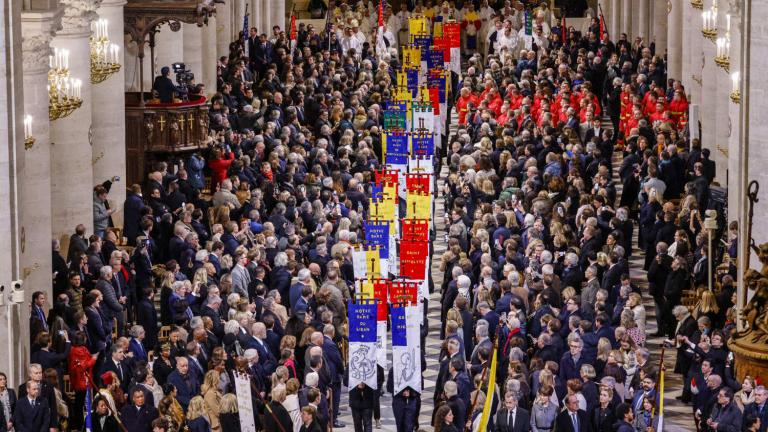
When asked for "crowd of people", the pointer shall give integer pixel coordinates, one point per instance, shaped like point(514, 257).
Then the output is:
point(237, 258)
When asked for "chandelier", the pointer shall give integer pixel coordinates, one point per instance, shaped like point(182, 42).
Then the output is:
point(698, 4)
point(104, 55)
point(29, 140)
point(709, 23)
point(63, 91)
point(735, 92)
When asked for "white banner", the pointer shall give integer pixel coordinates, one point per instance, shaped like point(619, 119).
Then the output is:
point(362, 364)
point(381, 344)
point(407, 358)
point(359, 263)
point(456, 60)
point(423, 120)
point(244, 402)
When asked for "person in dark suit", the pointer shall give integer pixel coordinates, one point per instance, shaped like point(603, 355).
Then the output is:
point(146, 316)
point(165, 87)
point(263, 53)
point(572, 419)
point(38, 322)
point(725, 415)
point(624, 418)
point(102, 418)
point(112, 304)
point(759, 408)
point(278, 419)
point(78, 244)
point(660, 267)
point(185, 382)
point(335, 364)
point(119, 366)
point(138, 417)
point(570, 364)
point(32, 413)
point(512, 418)
point(11, 407)
point(136, 344)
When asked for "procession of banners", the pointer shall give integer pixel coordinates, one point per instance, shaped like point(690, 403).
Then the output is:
point(391, 267)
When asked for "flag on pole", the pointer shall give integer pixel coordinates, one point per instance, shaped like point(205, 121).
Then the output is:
point(563, 30)
point(245, 31)
point(660, 426)
point(293, 32)
point(602, 26)
point(489, 394)
point(88, 421)
point(381, 46)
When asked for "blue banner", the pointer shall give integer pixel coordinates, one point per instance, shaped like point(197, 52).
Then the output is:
point(423, 145)
point(423, 42)
point(439, 82)
point(376, 191)
point(399, 331)
point(377, 234)
point(435, 58)
point(362, 322)
point(412, 80)
point(397, 149)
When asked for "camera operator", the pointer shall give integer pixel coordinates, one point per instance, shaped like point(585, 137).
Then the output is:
point(165, 87)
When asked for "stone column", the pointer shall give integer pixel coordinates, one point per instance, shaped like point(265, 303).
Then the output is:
point(672, 36)
point(256, 9)
point(193, 55)
point(109, 118)
point(626, 19)
point(238, 11)
point(72, 139)
point(276, 14)
point(208, 73)
point(644, 21)
point(37, 32)
point(735, 138)
point(615, 24)
point(660, 25)
point(693, 81)
point(226, 30)
point(14, 318)
point(169, 49)
point(708, 102)
point(131, 66)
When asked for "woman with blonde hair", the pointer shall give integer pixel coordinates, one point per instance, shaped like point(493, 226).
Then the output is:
point(280, 419)
point(746, 395)
point(197, 420)
point(212, 398)
point(291, 402)
point(707, 306)
point(635, 305)
point(229, 416)
point(603, 352)
point(547, 378)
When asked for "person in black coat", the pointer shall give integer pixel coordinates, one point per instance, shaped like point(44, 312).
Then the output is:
point(512, 418)
point(278, 413)
point(660, 267)
point(676, 282)
point(564, 421)
point(146, 315)
point(725, 415)
point(32, 413)
point(11, 402)
point(603, 416)
point(361, 403)
point(138, 417)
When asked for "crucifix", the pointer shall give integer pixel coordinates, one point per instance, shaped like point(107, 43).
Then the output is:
point(162, 123)
point(181, 120)
point(191, 121)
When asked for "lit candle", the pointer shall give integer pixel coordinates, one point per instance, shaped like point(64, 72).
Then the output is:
point(704, 20)
point(65, 56)
point(27, 126)
point(735, 81)
point(727, 50)
point(728, 23)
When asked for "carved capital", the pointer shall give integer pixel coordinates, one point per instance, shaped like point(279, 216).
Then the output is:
point(734, 8)
point(78, 15)
point(37, 30)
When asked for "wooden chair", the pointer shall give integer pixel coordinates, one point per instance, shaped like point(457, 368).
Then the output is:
point(114, 330)
point(165, 333)
point(68, 387)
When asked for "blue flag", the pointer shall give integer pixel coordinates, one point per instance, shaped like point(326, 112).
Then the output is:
point(245, 32)
point(88, 422)
point(377, 234)
point(399, 332)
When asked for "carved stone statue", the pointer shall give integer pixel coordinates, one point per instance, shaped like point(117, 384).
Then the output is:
point(755, 312)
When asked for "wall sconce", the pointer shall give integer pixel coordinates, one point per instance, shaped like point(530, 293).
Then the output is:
point(29, 140)
point(735, 93)
point(105, 60)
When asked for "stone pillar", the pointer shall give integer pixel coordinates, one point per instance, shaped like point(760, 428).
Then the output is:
point(644, 21)
point(208, 72)
point(659, 25)
point(672, 36)
point(72, 163)
point(256, 9)
point(626, 19)
point(14, 318)
point(276, 14)
point(693, 81)
point(735, 139)
point(226, 30)
point(131, 66)
point(708, 102)
point(37, 32)
point(615, 24)
point(238, 11)
point(169, 49)
point(109, 118)
point(193, 55)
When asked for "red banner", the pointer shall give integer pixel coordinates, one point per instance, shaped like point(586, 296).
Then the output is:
point(434, 99)
point(388, 176)
point(404, 292)
point(418, 183)
point(381, 292)
point(413, 257)
point(415, 229)
point(452, 32)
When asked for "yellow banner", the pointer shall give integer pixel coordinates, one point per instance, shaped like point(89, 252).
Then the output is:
point(419, 206)
point(489, 394)
point(366, 287)
point(372, 266)
point(411, 56)
point(417, 25)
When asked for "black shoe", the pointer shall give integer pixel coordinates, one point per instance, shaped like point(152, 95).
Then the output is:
point(338, 424)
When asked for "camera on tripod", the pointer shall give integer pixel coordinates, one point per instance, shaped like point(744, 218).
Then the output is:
point(184, 77)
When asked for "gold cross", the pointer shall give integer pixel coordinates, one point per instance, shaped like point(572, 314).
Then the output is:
point(190, 121)
point(162, 123)
point(181, 120)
